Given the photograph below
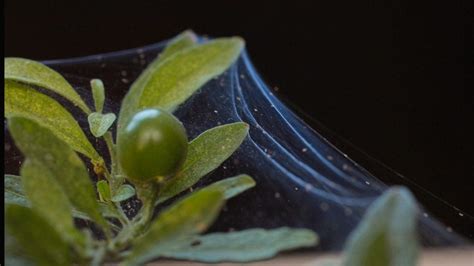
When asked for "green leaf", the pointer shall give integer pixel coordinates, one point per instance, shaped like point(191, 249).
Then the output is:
point(21, 100)
point(16, 257)
point(205, 153)
point(130, 102)
point(14, 254)
point(37, 238)
point(14, 195)
point(175, 79)
point(190, 216)
point(35, 73)
point(181, 75)
point(124, 193)
point(184, 40)
point(244, 246)
point(39, 144)
point(98, 93)
point(14, 191)
point(387, 233)
point(233, 186)
point(104, 190)
point(99, 123)
point(49, 200)
point(105, 210)
point(230, 187)
point(179, 43)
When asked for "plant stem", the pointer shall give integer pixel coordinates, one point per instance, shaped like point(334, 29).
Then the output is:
point(108, 233)
point(128, 233)
point(107, 174)
point(144, 219)
point(121, 214)
point(114, 180)
point(147, 193)
point(111, 147)
point(99, 256)
point(116, 177)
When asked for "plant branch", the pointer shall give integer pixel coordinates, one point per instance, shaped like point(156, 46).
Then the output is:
point(121, 214)
point(116, 178)
point(107, 174)
point(147, 193)
point(111, 147)
point(99, 256)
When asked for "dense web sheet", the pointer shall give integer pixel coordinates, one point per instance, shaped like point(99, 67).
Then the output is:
point(302, 179)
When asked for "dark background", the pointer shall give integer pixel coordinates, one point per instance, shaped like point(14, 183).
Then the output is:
point(390, 77)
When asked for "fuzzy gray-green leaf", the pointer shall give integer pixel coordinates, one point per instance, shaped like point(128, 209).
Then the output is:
point(123, 193)
point(14, 195)
point(177, 44)
point(183, 41)
point(244, 246)
point(387, 233)
point(14, 254)
point(190, 216)
point(233, 186)
point(98, 93)
point(35, 73)
point(205, 153)
point(49, 200)
point(37, 238)
point(21, 100)
point(40, 144)
point(176, 78)
point(13, 191)
point(230, 187)
point(130, 102)
point(99, 123)
point(181, 75)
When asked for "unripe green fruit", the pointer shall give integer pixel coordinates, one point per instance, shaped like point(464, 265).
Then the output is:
point(153, 144)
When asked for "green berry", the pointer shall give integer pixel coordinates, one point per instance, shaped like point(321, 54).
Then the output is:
point(153, 144)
